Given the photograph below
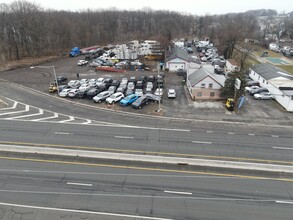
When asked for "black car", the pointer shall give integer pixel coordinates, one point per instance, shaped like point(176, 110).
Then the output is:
point(92, 92)
point(132, 79)
point(151, 79)
point(139, 85)
point(115, 83)
point(81, 94)
point(142, 78)
point(108, 82)
point(61, 79)
point(140, 102)
point(103, 87)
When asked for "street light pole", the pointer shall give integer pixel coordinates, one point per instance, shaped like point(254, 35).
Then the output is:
point(54, 72)
point(159, 109)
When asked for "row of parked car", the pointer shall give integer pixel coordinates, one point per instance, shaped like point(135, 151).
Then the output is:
point(137, 92)
point(259, 93)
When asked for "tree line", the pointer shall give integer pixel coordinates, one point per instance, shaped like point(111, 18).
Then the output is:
point(26, 29)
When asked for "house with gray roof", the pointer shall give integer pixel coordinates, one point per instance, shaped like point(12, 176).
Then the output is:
point(204, 84)
point(277, 81)
point(178, 58)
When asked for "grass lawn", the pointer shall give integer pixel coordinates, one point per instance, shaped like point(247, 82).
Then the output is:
point(249, 62)
point(288, 68)
point(259, 51)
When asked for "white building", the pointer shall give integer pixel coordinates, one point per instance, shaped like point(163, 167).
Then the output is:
point(278, 82)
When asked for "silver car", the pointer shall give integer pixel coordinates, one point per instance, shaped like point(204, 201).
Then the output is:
point(263, 96)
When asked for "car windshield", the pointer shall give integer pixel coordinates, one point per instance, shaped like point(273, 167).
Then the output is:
point(129, 97)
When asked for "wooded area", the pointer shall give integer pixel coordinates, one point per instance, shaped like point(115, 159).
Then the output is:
point(26, 29)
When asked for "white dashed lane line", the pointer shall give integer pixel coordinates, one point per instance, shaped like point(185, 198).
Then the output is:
point(283, 148)
point(177, 192)
point(201, 142)
point(124, 137)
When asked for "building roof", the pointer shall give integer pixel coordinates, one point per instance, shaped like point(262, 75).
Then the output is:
point(203, 72)
point(268, 71)
point(181, 53)
point(233, 62)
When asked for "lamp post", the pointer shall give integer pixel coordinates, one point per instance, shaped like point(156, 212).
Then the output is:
point(54, 72)
point(159, 109)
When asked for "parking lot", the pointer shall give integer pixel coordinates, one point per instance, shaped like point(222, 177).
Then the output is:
point(181, 107)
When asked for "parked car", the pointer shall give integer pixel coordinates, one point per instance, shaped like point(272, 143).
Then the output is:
point(140, 102)
point(138, 92)
point(139, 85)
point(131, 85)
point(151, 79)
point(100, 81)
point(128, 100)
point(108, 82)
point(171, 93)
point(115, 97)
point(73, 84)
point(84, 81)
point(115, 83)
point(252, 83)
point(153, 98)
point(112, 89)
point(259, 90)
point(92, 92)
point(159, 92)
point(92, 82)
point(64, 92)
point(81, 94)
point(84, 87)
point(121, 89)
point(61, 80)
point(129, 92)
point(263, 96)
point(248, 88)
point(124, 80)
point(102, 96)
point(72, 93)
point(82, 62)
point(132, 79)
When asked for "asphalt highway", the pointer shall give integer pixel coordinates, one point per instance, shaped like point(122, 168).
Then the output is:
point(68, 191)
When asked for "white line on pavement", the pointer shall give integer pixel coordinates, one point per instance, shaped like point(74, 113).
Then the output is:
point(79, 184)
point(42, 119)
point(176, 192)
point(210, 132)
point(275, 136)
point(251, 134)
point(10, 113)
point(87, 122)
point(82, 211)
point(13, 107)
point(124, 137)
point(231, 133)
point(201, 142)
point(24, 116)
point(285, 202)
point(63, 133)
point(68, 120)
point(283, 148)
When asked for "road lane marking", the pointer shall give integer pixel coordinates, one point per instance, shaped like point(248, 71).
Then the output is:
point(283, 148)
point(82, 211)
point(71, 118)
point(285, 202)
point(42, 119)
point(13, 107)
point(24, 116)
point(275, 136)
point(231, 133)
point(147, 169)
point(10, 113)
point(177, 192)
point(79, 184)
point(64, 133)
point(147, 152)
point(87, 122)
point(251, 134)
point(124, 137)
point(210, 132)
point(201, 142)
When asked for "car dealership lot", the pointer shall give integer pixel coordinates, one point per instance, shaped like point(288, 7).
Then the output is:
point(181, 106)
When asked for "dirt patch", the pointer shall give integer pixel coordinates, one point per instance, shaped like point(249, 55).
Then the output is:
point(3, 104)
point(29, 61)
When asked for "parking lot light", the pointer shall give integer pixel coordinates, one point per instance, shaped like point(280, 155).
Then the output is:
point(54, 72)
point(159, 109)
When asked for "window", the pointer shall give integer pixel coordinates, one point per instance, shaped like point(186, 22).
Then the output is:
point(212, 94)
point(199, 94)
point(211, 85)
point(203, 85)
point(263, 81)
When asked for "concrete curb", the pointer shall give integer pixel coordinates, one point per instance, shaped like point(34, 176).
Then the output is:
point(147, 158)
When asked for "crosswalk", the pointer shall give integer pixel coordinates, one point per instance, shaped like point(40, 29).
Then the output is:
point(14, 110)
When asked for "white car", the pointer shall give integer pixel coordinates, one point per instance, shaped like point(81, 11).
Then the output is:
point(139, 92)
point(73, 84)
point(84, 81)
point(102, 96)
point(72, 93)
point(92, 82)
point(159, 92)
point(100, 81)
point(82, 62)
point(116, 97)
point(263, 96)
point(248, 88)
point(171, 93)
point(84, 87)
point(64, 92)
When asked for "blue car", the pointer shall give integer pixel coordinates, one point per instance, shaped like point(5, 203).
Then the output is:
point(129, 99)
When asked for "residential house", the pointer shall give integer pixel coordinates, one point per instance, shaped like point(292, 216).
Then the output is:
point(232, 66)
point(277, 81)
point(178, 58)
point(204, 84)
